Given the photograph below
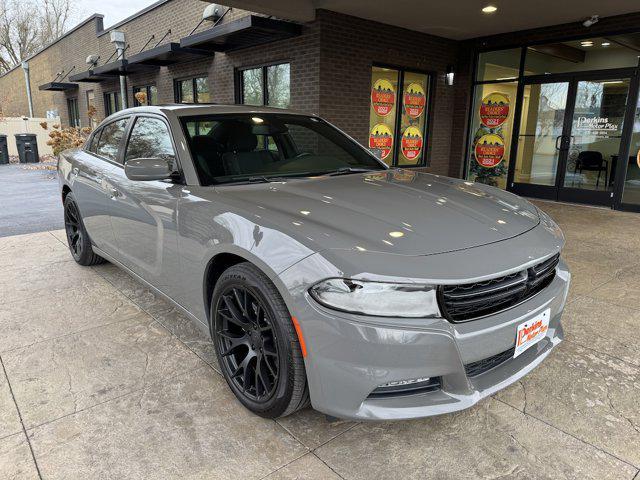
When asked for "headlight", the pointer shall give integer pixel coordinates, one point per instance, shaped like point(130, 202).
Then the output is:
point(377, 298)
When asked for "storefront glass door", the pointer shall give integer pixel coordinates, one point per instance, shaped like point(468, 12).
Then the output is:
point(570, 138)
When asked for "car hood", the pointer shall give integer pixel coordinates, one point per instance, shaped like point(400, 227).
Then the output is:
point(393, 211)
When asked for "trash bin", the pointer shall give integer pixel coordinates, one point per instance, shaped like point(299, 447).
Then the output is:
point(4, 151)
point(27, 148)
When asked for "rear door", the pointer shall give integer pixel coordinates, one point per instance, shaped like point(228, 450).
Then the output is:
point(143, 213)
point(91, 185)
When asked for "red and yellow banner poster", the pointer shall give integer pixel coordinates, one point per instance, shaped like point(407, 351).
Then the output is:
point(411, 144)
point(489, 150)
point(494, 109)
point(381, 140)
point(414, 100)
point(383, 97)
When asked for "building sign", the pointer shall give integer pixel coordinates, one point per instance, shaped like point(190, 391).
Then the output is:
point(489, 150)
point(411, 144)
point(494, 109)
point(383, 97)
point(380, 140)
point(414, 100)
point(596, 126)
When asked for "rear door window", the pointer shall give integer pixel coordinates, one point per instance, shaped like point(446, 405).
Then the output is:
point(110, 139)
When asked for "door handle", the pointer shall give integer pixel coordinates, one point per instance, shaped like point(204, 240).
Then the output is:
point(559, 137)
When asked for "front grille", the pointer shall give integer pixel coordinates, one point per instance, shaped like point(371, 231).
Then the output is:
point(459, 303)
point(482, 366)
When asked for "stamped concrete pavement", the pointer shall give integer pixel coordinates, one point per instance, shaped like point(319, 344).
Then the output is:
point(100, 378)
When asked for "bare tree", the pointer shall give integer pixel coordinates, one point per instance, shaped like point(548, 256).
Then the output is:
point(28, 25)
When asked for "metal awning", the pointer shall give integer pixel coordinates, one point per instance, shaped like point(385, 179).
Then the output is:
point(88, 76)
point(122, 67)
point(58, 86)
point(167, 54)
point(245, 32)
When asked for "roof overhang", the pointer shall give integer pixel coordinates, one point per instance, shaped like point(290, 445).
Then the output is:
point(244, 32)
point(167, 54)
point(58, 86)
point(122, 67)
point(88, 76)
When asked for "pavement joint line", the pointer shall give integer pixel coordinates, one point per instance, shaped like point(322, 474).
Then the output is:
point(144, 387)
point(626, 462)
point(24, 430)
point(285, 465)
point(356, 424)
point(636, 476)
point(328, 466)
point(627, 362)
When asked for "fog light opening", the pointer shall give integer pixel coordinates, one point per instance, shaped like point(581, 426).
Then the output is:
point(411, 386)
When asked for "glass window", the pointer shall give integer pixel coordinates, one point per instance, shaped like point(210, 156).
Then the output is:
point(238, 147)
point(278, 85)
point(91, 108)
point(252, 87)
point(111, 103)
point(93, 145)
point(74, 113)
point(499, 65)
point(193, 90)
point(110, 138)
point(582, 55)
point(398, 116)
point(202, 90)
point(150, 138)
point(275, 93)
point(146, 95)
point(631, 192)
point(491, 128)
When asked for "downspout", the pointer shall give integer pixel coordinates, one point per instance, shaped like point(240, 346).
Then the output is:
point(25, 67)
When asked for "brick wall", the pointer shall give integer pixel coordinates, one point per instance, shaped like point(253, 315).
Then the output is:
point(349, 48)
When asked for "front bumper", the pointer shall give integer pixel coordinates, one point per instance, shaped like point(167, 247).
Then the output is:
point(349, 356)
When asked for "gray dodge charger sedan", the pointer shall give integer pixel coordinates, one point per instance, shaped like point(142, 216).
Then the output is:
point(323, 276)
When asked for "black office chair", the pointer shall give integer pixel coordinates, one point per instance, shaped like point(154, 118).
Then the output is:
point(592, 161)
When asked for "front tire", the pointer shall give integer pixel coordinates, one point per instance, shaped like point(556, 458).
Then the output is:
point(256, 343)
point(77, 236)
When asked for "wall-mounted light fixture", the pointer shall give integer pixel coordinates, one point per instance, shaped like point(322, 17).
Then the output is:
point(449, 75)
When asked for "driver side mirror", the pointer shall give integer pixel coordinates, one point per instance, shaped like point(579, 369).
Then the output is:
point(147, 169)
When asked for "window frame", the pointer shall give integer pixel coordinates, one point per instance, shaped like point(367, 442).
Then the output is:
point(133, 119)
point(177, 94)
point(239, 81)
point(425, 160)
point(75, 113)
point(117, 102)
point(143, 88)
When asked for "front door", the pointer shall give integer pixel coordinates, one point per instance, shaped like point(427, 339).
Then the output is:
point(569, 138)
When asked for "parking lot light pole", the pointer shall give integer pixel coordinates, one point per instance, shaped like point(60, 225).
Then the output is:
point(118, 39)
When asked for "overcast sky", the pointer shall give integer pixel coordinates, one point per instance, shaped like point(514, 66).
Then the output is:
point(113, 10)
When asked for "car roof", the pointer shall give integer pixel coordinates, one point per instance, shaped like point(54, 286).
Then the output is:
point(207, 109)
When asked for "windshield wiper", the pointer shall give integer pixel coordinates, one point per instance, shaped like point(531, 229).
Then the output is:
point(347, 171)
point(265, 179)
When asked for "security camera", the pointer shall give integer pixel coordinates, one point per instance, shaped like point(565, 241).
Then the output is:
point(213, 12)
point(591, 21)
point(92, 60)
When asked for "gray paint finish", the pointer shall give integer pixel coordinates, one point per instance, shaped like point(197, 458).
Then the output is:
point(391, 225)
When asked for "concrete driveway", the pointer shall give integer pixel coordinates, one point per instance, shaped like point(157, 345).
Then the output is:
point(101, 379)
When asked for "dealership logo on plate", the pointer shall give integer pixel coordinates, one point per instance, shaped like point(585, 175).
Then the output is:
point(494, 109)
point(411, 143)
point(489, 150)
point(381, 141)
point(383, 97)
point(414, 100)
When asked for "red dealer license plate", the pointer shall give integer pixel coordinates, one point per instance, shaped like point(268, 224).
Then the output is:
point(531, 332)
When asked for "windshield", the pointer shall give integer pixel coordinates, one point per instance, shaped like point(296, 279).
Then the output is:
point(259, 147)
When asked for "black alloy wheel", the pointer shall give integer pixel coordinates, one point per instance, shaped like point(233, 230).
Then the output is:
point(247, 342)
point(256, 343)
point(77, 236)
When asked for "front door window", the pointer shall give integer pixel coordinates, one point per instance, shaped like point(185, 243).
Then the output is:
point(596, 132)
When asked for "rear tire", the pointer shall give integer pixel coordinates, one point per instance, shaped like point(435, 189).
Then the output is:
point(77, 236)
point(256, 343)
